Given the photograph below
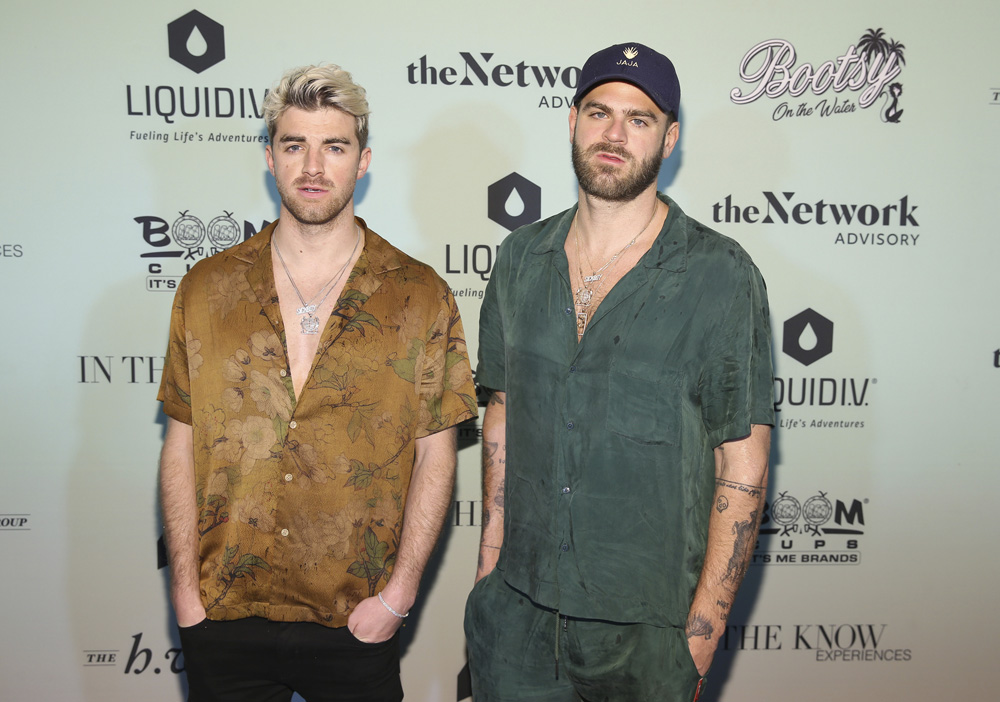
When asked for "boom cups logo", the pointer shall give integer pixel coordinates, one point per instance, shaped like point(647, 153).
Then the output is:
point(179, 244)
point(189, 232)
point(196, 41)
point(817, 531)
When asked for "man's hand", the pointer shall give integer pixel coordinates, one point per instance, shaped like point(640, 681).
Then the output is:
point(702, 650)
point(189, 614)
point(371, 622)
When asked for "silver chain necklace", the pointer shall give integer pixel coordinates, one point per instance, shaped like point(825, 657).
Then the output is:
point(310, 323)
point(583, 295)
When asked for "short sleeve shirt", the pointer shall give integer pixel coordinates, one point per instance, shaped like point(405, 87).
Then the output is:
point(300, 500)
point(610, 467)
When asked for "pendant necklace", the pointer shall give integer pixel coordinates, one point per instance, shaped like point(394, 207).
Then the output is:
point(584, 296)
point(310, 323)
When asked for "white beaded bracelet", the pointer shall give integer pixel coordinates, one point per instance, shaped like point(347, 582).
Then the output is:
point(394, 612)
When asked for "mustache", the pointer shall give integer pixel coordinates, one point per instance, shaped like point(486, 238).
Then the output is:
point(306, 182)
point(609, 148)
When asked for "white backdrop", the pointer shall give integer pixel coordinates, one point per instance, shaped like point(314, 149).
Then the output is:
point(877, 238)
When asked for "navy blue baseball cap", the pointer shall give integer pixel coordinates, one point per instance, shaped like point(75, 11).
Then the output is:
point(648, 70)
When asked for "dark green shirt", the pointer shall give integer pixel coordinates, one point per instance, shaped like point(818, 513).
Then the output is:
point(610, 467)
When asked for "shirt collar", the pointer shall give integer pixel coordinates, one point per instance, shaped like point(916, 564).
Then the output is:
point(669, 249)
point(377, 257)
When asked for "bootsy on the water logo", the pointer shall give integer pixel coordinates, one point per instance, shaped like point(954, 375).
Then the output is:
point(864, 76)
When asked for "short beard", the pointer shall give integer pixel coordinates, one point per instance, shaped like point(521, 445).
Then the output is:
point(315, 215)
point(598, 180)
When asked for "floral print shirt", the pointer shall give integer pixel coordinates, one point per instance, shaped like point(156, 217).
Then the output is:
point(300, 500)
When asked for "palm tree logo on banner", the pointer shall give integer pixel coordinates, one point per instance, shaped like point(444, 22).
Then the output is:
point(875, 48)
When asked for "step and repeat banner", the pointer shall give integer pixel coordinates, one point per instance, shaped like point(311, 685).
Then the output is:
point(852, 148)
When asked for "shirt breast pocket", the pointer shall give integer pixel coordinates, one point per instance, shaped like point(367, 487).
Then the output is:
point(645, 408)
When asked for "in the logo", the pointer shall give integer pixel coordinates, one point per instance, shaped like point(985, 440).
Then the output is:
point(630, 53)
point(196, 42)
point(808, 337)
point(514, 201)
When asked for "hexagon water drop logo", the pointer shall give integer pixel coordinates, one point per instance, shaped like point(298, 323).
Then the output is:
point(514, 201)
point(808, 337)
point(196, 41)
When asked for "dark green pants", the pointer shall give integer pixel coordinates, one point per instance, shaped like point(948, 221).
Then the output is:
point(513, 654)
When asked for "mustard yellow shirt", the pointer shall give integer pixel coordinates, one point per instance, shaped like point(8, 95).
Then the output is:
point(301, 499)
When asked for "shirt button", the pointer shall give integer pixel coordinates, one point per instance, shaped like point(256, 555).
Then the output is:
point(565, 490)
point(283, 372)
point(570, 425)
point(569, 310)
point(564, 548)
point(284, 532)
point(288, 477)
point(572, 369)
point(292, 424)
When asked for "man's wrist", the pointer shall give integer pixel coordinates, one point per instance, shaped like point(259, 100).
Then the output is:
point(400, 599)
point(391, 609)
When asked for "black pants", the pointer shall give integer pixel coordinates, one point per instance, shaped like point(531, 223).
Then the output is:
point(256, 660)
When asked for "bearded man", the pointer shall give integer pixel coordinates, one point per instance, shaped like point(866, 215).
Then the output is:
point(627, 437)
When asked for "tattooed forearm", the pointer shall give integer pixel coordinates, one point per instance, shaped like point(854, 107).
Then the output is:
point(698, 626)
point(489, 451)
point(724, 609)
point(742, 546)
point(482, 550)
point(495, 399)
point(499, 497)
point(722, 504)
point(751, 490)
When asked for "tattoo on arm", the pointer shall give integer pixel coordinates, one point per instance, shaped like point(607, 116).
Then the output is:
point(724, 606)
point(495, 399)
point(482, 562)
point(698, 625)
point(489, 450)
point(722, 504)
point(751, 490)
point(499, 497)
point(742, 546)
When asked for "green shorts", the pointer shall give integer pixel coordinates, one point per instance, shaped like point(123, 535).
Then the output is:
point(521, 652)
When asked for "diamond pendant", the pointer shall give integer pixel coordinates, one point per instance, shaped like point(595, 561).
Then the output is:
point(310, 325)
point(584, 296)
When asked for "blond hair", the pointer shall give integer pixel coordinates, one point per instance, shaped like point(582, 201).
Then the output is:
point(315, 87)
